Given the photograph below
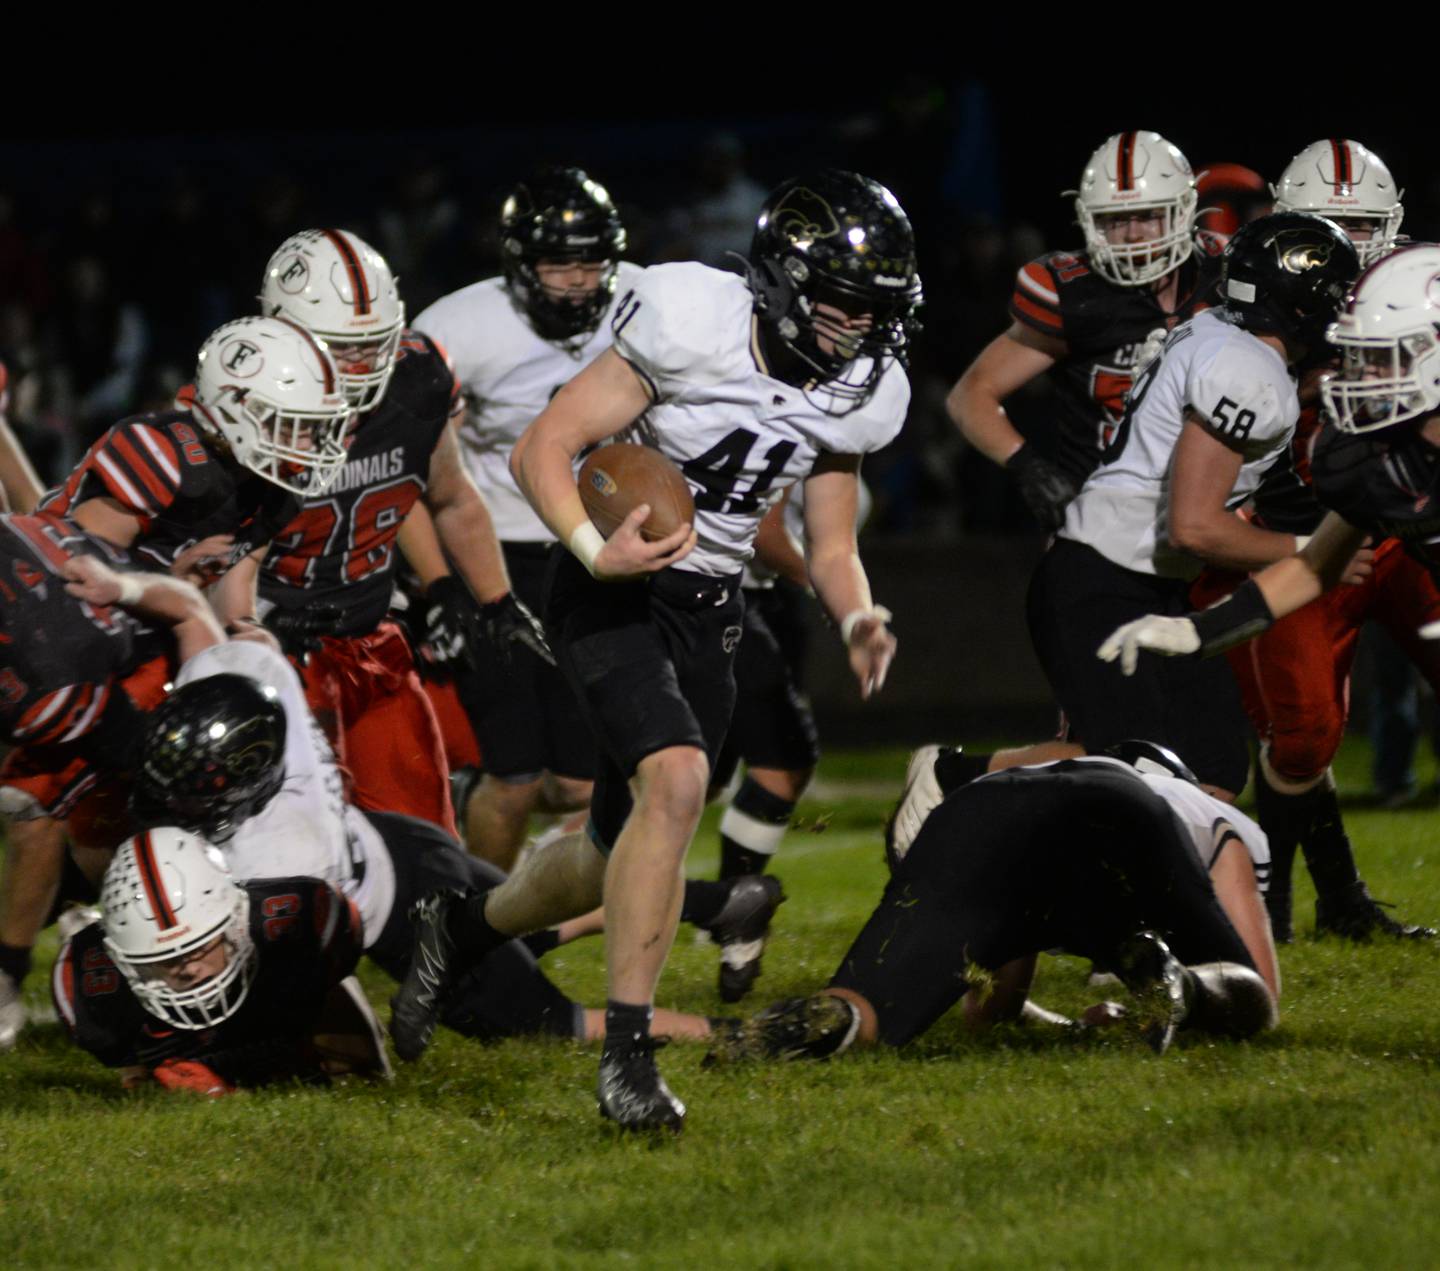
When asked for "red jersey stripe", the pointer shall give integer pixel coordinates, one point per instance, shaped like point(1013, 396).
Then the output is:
point(138, 462)
point(1034, 315)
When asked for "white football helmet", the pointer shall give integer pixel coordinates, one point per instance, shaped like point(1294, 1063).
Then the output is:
point(1137, 172)
point(338, 287)
point(168, 898)
point(1389, 336)
point(270, 389)
point(1348, 183)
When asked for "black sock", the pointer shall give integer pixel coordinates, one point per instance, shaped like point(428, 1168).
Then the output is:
point(703, 901)
point(542, 942)
point(1328, 853)
point(1285, 818)
point(954, 769)
point(760, 805)
point(15, 961)
point(473, 935)
point(626, 1024)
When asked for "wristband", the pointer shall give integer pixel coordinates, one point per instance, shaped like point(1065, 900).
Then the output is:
point(1240, 616)
point(849, 622)
point(585, 543)
point(131, 589)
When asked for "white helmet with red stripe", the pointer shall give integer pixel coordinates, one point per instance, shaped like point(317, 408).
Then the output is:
point(1136, 208)
point(336, 285)
point(271, 390)
point(177, 926)
point(1389, 336)
point(1351, 185)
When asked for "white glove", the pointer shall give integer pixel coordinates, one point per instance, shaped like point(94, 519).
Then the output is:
point(1174, 637)
point(1430, 631)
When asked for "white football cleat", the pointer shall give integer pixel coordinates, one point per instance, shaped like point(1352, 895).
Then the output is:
point(921, 797)
point(12, 1012)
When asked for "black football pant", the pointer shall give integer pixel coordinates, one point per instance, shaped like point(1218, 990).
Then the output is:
point(506, 994)
point(1073, 856)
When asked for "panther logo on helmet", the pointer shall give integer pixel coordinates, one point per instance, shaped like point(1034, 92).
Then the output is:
point(1299, 257)
point(803, 216)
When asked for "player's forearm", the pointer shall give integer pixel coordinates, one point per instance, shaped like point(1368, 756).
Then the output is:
point(18, 478)
point(421, 546)
point(467, 534)
point(776, 549)
point(1227, 541)
point(233, 597)
point(974, 407)
point(543, 468)
point(176, 604)
point(839, 580)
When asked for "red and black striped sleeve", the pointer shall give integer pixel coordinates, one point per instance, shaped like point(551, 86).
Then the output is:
point(1036, 300)
point(135, 464)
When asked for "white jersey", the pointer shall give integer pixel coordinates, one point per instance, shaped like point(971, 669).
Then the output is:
point(1226, 376)
point(508, 374)
point(307, 829)
point(740, 435)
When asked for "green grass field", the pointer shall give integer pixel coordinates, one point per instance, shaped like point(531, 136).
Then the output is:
point(1317, 1146)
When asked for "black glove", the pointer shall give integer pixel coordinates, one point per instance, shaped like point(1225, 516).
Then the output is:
point(1045, 489)
point(301, 630)
point(460, 631)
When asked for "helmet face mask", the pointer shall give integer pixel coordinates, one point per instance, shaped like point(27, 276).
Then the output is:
point(270, 390)
point(212, 756)
point(1389, 339)
point(1137, 179)
point(177, 926)
point(1350, 184)
point(557, 219)
point(833, 269)
point(340, 289)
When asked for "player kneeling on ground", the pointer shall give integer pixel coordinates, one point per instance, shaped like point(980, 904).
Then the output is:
point(204, 984)
point(1086, 855)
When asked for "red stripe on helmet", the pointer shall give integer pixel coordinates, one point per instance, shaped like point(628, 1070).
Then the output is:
point(319, 350)
point(352, 265)
point(1126, 165)
point(1340, 151)
point(153, 884)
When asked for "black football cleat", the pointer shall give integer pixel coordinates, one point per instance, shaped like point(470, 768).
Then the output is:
point(433, 973)
point(740, 929)
point(631, 1091)
point(814, 1027)
point(1356, 915)
point(1158, 982)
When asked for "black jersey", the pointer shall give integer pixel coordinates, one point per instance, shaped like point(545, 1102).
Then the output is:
point(60, 657)
point(307, 939)
point(1104, 327)
point(1386, 483)
point(181, 487)
point(340, 549)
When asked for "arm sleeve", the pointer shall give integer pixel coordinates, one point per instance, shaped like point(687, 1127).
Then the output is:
point(1036, 300)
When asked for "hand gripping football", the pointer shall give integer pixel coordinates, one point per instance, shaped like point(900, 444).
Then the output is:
point(616, 479)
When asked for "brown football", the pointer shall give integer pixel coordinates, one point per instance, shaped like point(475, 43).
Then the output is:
point(616, 479)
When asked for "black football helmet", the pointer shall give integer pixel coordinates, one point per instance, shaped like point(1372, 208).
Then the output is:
point(560, 214)
point(1151, 757)
point(211, 756)
point(840, 239)
point(1286, 274)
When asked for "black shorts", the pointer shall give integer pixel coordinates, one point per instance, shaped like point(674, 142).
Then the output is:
point(1076, 599)
point(652, 664)
point(524, 713)
point(773, 726)
point(1074, 856)
point(507, 994)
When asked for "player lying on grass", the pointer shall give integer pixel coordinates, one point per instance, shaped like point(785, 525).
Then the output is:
point(235, 756)
point(201, 983)
point(1142, 871)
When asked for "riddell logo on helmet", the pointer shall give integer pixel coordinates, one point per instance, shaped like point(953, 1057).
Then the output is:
point(165, 937)
point(241, 358)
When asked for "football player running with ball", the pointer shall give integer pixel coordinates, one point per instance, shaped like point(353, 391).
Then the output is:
point(748, 385)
